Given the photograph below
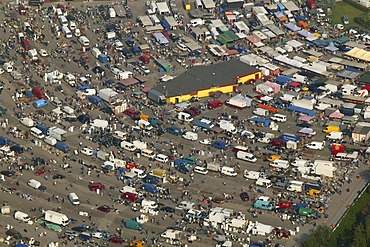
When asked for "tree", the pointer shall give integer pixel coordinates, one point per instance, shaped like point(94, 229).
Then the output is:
point(325, 4)
point(359, 238)
point(319, 237)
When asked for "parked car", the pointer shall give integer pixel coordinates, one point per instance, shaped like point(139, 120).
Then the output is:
point(244, 196)
point(104, 208)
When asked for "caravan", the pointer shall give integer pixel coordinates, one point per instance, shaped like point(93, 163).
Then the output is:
point(67, 33)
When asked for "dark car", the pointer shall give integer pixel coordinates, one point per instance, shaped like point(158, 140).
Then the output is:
point(7, 173)
point(115, 239)
point(244, 196)
point(105, 208)
point(304, 125)
point(107, 110)
point(58, 176)
point(167, 209)
point(13, 233)
point(80, 228)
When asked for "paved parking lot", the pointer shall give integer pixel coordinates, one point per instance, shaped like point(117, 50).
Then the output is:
point(79, 170)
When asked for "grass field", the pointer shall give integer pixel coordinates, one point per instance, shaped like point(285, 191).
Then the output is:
point(340, 9)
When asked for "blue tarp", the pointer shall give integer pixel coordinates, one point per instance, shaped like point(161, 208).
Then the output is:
point(320, 42)
point(202, 125)
point(282, 79)
point(160, 38)
point(165, 25)
point(305, 33)
point(292, 27)
point(21, 245)
point(281, 6)
point(301, 110)
point(265, 121)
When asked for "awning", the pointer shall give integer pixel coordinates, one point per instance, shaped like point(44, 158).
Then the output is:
point(146, 89)
point(141, 78)
point(336, 114)
point(129, 82)
point(305, 118)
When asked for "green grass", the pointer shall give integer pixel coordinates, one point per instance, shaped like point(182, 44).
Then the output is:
point(340, 9)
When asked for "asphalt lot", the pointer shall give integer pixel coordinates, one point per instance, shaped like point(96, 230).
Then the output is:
point(77, 177)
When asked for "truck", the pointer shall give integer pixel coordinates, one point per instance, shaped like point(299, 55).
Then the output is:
point(211, 166)
point(157, 97)
point(251, 174)
point(56, 218)
point(145, 125)
point(304, 103)
point(70, 79)
point(186, 117)
point(62, 147)
point(57, 133)
point(32, 53)
point(134, 225)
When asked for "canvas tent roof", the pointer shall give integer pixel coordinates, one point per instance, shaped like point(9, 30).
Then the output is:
point(209, 4)
point(171, 21)
point(348, 62)
point(295, 44)
point(275, 29)
point(291, 6)
point(292, 27)
point(145, 21)
point(163, 7)
point(359, 54)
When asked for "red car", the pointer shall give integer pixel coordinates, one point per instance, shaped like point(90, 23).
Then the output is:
point(285, 204)
point(105, 208)
point(131, 113)
point(115, 239)
point(40, 171)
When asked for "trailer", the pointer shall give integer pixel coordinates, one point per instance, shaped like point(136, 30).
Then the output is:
point(213, 167)
point(120, 11)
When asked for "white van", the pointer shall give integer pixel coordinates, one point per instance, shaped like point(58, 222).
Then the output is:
point(63, 21)
point(148, 153)
point(185, 205)
point(50, 140)
point(335, 135)
point(8, 67)
point(72, 25)
point(200, 170)
point(34, 183)
point(280, 164)
point(84, 41)
point(37, 133)
point(57, 102)
point(264, 182)
point(128, 146)
point(246, 156)
point(161, 158)
point(139, 173)
point(67, 33)
point(191, 136)
point(95, 52)
point(120, 135)
point(18, 215)
point(316, 145)
point(228, 171)
point(73, 198)
point(279, 118)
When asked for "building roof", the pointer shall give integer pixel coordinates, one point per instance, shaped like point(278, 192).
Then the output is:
point(203, 77)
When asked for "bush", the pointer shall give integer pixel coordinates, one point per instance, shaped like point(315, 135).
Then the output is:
point(357, 5)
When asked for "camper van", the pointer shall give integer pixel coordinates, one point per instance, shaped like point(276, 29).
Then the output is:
point(228, 171)
point(263, 182)
point(73, 198)
point(18, 215)
point(148, 153)
point(128, 146)
point(246, 156)
point(161, 158)
point(67, 33)
point(280, 164)
point(84, 41)
point(37, 133)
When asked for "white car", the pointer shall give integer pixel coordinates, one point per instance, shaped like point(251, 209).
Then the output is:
point(206, 141)
point(200, 170)
point(87, 151)
point(247, 134)
point(339, 26)
point(182, 47)
point(98, 235)
point(43, 53)
point(264, 139)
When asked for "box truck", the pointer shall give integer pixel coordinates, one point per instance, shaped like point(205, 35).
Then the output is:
point(56, 218)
